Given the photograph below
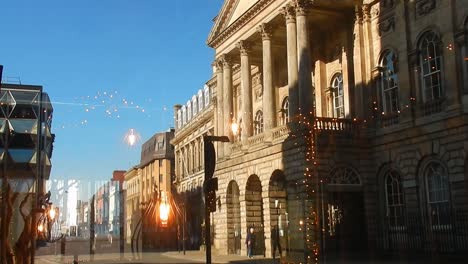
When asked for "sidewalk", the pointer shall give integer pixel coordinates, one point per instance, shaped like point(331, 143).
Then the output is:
point(199, 256)
point(192, 256)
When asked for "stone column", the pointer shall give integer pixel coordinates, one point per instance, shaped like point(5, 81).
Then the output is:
point(227, 102)
point(246, 88)
point(219, 104)
point(303, 56)
point(269, 117)
point(293, 97)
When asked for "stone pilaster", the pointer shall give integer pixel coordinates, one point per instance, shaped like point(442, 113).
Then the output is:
point(219, 117)
point(269, 111)
point(227, 102)
point(303, 56)
point(290, 15)
point(246, 87)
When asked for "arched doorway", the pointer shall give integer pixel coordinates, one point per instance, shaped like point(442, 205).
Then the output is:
point(233, 218)
point(278, 211)
point(254, 213)
point(346, 231)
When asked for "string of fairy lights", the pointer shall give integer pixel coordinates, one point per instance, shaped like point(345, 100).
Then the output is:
point(107, 104)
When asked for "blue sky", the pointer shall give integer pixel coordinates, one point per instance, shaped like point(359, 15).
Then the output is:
point(151, 53)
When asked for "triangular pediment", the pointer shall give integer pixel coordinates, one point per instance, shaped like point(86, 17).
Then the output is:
point(230, 12)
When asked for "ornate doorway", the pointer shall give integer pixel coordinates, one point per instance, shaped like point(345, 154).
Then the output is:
point(346, 230)
point(233, 218)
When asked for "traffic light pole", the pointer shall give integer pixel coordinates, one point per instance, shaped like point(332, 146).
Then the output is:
point(209, 187)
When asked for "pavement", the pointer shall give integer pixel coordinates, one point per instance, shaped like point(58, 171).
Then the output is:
point(172, 257)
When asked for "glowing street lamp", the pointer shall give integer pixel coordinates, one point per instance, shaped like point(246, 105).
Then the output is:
point(52, 213)
point(235, 128)
point(164, 213)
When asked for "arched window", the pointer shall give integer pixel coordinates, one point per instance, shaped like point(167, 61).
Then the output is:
point(206, 91)
point(394, 201)
point(258, 123)
point(389, 83)
point(437, 193)
point(189, 111)
point(285, 111)
point(338, 96)
point(431, 66)
point(194, 105)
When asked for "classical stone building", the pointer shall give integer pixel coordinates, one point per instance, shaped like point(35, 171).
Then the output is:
point(132, 201)
point(193, 121)
point(353, 131)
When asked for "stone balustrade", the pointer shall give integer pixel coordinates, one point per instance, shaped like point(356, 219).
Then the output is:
point(335, 124)
point(257, 139)
point(280, 132)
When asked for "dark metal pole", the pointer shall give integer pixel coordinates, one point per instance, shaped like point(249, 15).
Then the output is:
point(183, 222)
point(207, 230)
point(207, 146)
point(122, 229)
point(4, 235)
point(91, 229)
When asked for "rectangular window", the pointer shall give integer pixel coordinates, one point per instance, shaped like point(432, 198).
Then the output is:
point(160, 178)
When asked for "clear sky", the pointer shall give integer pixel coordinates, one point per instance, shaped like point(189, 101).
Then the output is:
point(108, 66)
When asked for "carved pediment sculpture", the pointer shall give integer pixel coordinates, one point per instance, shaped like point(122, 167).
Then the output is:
point(387, 26)
point(424, 7)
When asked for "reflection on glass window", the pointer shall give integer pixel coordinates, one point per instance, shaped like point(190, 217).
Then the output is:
point(438, 193)
point(394, 199)
point(389, 83)
point(431, 64)
point(338, 95)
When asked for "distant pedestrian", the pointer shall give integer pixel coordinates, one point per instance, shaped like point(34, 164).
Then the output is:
point(275, 240)
point(250, 241)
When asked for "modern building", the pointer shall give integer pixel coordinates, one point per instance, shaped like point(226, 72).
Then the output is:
point(26, 148)
point(193, 121)
point(353, 126)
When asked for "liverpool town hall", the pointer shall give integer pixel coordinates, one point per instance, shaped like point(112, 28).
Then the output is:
point(352, 129)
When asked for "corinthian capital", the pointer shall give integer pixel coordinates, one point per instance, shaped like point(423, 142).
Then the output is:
point(244, 47)
point(218, 63)
point(366, 14)
point(302, 6)
point(289, 13)
point(226, 60)
point(265, 30)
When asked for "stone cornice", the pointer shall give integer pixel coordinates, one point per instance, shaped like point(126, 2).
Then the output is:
point(239, 23)
point(194, 124)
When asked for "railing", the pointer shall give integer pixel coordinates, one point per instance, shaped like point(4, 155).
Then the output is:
point(415, 234)
point(389, 120)
point(432, 107)
point(257, 139)
point(336, 124)
point(280, 132)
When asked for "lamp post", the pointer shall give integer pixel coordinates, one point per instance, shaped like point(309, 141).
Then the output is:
point(210, 185)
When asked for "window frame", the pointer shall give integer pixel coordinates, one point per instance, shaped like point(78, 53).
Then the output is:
point(389, 56)
point(337, 85)
point(427, 192)
point(258, 123)
point(398, 224)
point(285, 111)
point(435, 39)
